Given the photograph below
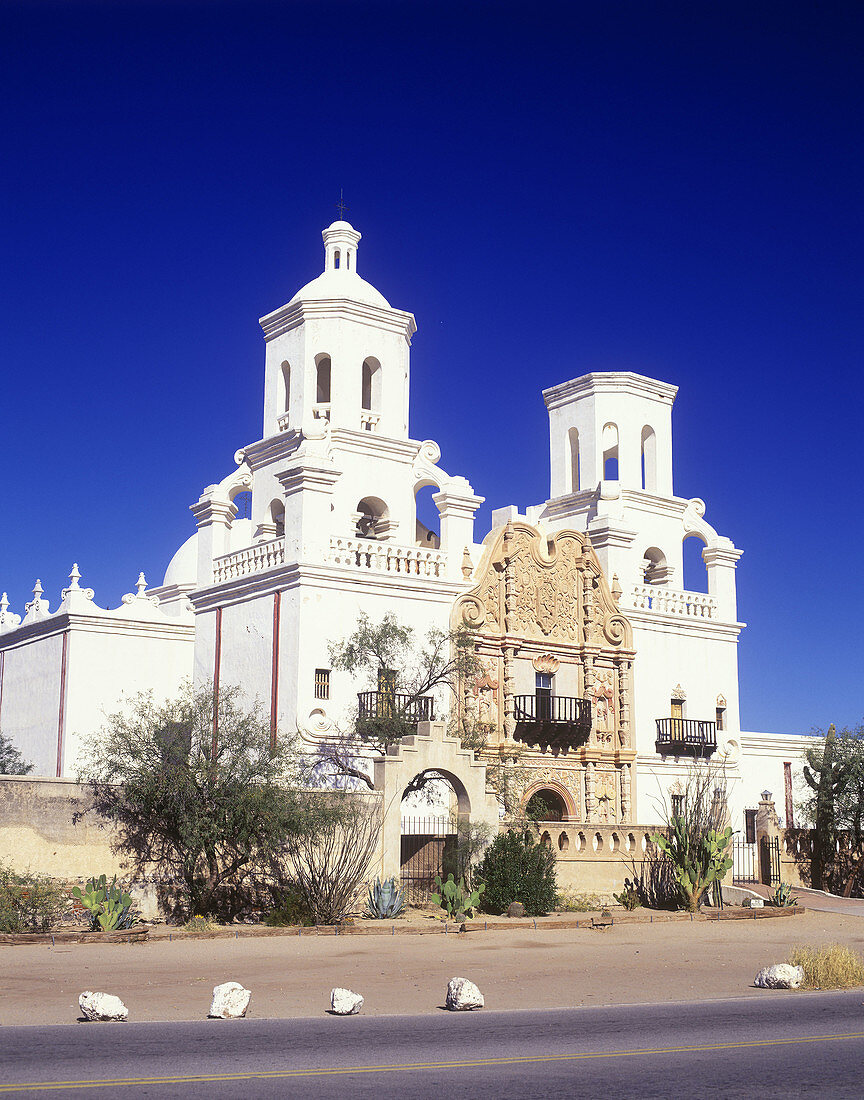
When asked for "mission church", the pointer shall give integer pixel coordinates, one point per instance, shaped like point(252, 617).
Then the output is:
point(597, 669)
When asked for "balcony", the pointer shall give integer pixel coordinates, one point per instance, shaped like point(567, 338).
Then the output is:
point(686, 736)
point(387, 716)
point(552, 721)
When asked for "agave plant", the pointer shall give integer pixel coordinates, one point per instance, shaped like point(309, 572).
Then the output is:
point(384, 900)
point(782, 896)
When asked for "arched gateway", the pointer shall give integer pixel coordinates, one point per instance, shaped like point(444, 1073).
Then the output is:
point(431, 750)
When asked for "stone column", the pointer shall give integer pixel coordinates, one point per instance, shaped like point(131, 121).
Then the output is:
point(720, 561)
point(456, 509)
point(213, 516)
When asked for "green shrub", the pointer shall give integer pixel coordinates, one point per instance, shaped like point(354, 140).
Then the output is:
point(517, 867)
point(291, 908)
point(28, 903)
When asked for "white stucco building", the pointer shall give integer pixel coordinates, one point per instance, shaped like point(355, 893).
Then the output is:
point(598, 666)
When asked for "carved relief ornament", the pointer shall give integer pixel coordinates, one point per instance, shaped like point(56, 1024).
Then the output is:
point(548, 588)
point(546, 662)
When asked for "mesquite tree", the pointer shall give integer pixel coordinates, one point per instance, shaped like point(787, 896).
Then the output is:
point(194, 790)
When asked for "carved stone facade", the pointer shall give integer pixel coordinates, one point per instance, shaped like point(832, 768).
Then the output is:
point(543, 606)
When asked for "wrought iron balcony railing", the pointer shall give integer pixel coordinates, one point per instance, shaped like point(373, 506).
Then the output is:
point(686, 735)
point(551, 708)
point(376, 705)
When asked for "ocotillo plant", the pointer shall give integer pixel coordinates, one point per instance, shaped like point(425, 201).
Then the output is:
point(827, 776)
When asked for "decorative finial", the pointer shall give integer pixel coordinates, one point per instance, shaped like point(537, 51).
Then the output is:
point(141, 585)
point(74, 577)
point(467, 565)
point(6, 615)
point(37, 589)
point(341, 207)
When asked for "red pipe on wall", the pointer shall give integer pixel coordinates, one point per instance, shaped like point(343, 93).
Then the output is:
point(217, 661)
point(61, 716)
point(274, 670)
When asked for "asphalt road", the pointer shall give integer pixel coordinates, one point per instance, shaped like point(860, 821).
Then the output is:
point(787, 1044)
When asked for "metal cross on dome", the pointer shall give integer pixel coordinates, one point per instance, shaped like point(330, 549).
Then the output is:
point(341, 207)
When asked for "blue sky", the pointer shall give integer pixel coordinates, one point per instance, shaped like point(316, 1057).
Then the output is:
point(673, 189)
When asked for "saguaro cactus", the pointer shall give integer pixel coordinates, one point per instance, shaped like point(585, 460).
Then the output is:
point(827, 776)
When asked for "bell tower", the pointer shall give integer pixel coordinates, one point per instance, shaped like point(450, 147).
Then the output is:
point(338, 355)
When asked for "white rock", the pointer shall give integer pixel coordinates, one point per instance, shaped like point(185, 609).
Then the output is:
point(780, 976)
point(463, 995)
point(102, 1006)
point(345, 1002)
point(230, 1001)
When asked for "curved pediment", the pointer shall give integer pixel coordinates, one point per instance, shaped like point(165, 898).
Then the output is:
point(549, 587)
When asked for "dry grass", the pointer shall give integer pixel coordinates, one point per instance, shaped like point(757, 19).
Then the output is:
point(571, 901)
point(831, 966)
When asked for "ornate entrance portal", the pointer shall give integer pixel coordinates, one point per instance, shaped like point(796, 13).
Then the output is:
point(554, 690)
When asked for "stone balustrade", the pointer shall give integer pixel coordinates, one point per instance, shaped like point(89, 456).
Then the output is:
point(253, 559)
point(386, 557)
point(669, 601)
point(578, 840)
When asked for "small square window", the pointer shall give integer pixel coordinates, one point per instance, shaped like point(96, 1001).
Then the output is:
point(322, 683)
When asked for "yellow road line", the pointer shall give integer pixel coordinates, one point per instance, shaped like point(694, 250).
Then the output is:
point(273, 1075)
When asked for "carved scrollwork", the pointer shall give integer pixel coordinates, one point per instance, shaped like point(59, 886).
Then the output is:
point(473, 612)
point(615, 629)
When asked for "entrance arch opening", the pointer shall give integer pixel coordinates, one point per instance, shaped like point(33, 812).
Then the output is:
point(546, 804)
point(435, 812)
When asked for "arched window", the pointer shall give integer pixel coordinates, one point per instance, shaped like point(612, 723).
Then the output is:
point(695, 577)
point(373, 518)
point(322, 392)
point(337, 258)
point(277, 516)
point(242, 501)
point(286, 387)
point(649, 459)
point(427, 523)
point(610, 452)
point(655, 569)
point(370, 389)
point(573, 457)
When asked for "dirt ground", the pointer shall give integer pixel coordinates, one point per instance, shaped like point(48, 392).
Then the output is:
point(628, 963)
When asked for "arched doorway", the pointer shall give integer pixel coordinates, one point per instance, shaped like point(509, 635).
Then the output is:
point(548, 802)
point(435, 809)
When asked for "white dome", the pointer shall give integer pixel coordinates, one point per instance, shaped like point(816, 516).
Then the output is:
point(183, 567)
point(340, 283)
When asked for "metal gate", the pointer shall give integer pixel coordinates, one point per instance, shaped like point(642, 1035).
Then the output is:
point(744, 862)
point(769, 860)
point(426, 844)
point(757, 863)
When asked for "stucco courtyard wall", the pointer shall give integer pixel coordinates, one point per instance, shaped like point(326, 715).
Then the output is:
point(38, 832)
